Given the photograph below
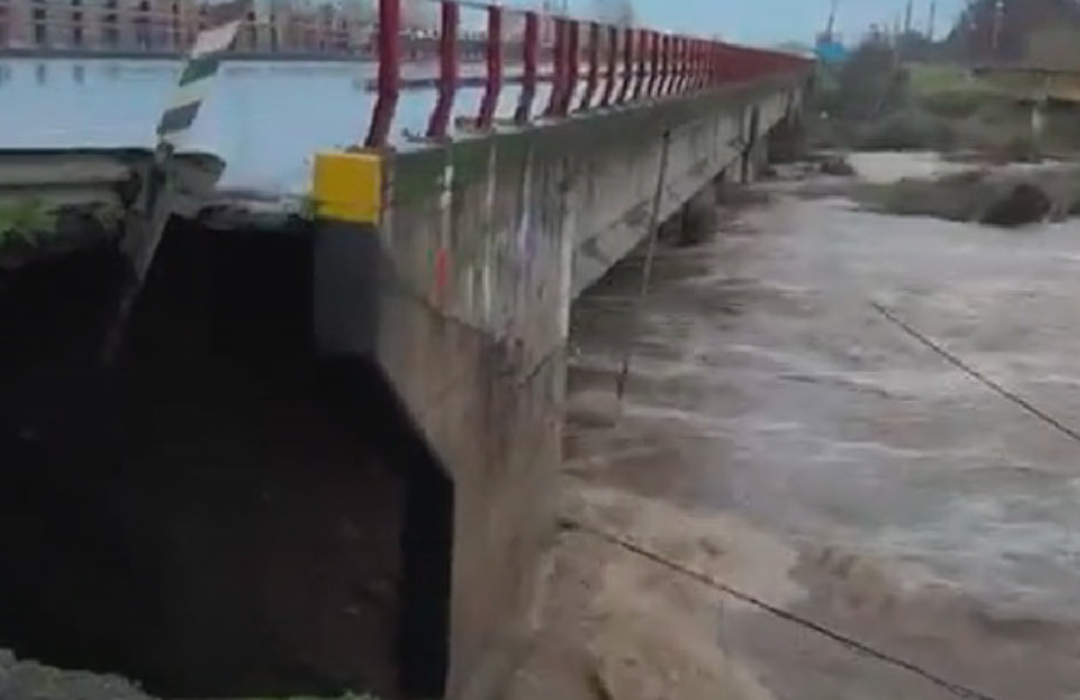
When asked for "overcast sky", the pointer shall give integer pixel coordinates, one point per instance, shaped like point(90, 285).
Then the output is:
point(772, 21)
point(780, 20)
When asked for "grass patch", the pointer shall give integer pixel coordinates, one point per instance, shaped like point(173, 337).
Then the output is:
point(908, 129)
point(936, 78)
point(27, 222)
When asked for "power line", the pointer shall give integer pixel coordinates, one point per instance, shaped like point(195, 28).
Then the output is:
point(960, 691)
point(998, 389)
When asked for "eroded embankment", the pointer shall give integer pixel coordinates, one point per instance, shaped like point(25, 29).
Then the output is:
point(212, 514)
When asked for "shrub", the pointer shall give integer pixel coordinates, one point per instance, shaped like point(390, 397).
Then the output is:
point(953, 105)
point(908, 130)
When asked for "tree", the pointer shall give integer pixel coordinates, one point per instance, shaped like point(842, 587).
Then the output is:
point(1000, 29)
point(621, 13)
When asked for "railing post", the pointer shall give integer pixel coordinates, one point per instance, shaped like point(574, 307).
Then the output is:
point(628, 66)
point(677, 66)
point(558, 84)
point(643, 63)
point(667, 63)
point(593, 76)
point(654, 65)
point(699, 82)
point(530, 77)
point(448, 72)
point(389, 85)
point(494, 68)
point(691, 65)
point(680, 54)
point(710, 50)
point(612, 65)
point(707, 66)
point(573, 55)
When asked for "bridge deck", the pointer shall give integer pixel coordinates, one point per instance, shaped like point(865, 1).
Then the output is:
point(265, 119)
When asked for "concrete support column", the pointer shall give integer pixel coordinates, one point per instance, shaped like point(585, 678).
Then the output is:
point(347, 291)
point(787, 140)
point(1038, 126)
point(348, 193)
point(755, 153)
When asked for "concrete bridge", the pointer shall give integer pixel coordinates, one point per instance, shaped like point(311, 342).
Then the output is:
point(324, 452)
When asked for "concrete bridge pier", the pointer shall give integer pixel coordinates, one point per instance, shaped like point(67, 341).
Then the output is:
point(450, 272)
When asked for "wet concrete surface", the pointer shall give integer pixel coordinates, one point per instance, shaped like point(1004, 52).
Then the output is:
point(779, 433)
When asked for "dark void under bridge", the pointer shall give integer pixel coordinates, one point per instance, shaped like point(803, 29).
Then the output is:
point(307, 442)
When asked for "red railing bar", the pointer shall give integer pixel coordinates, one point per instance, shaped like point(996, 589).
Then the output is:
point(654, 69)
point(448, 71)
point(612, 65)
point(559, 75)
point(712, 77)
point(661, 65)
point(691, 65)
point(667, 63)
point(592, 79)
point(573, 55)
point(643, 63)
point(702, 65)
point(389, 73)
point(490, 100)
point(702, 77)
point(677, 65)
point(654, 60)
point(722, 72)
point(706, 65)
point(628, 66)
point(530, 76)
point(680, 44)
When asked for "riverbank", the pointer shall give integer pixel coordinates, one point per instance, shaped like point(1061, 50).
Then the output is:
point(783, 437)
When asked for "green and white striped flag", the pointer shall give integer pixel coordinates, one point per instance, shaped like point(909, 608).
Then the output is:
point(147, 221)
point(224, 19)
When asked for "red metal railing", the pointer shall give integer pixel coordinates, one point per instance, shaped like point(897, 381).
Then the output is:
point(588, 65)
point(654, 65)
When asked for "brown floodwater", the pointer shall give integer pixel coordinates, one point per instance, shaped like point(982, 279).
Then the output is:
point(772, 409)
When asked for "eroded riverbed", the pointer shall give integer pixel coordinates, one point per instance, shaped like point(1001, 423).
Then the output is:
point(783, 436)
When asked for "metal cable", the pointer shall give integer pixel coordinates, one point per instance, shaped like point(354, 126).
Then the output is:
point(998, 389)
point(960, 691)
point(650, 256)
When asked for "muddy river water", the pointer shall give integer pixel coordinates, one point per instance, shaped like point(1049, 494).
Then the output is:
point(781, 435)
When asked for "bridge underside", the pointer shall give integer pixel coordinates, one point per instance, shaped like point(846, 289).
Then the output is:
point(219, 512)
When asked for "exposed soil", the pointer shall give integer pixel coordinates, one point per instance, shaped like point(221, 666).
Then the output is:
point(209, 515)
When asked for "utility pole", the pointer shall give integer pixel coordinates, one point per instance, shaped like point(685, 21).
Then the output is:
point(830, 26)
point(907, 17)
point(933, 19)
point(999, 26)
